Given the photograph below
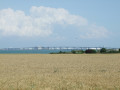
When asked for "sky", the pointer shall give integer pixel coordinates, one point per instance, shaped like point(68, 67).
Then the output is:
point(73, 23)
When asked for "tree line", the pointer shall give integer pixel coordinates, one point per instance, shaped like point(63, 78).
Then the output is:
point(90, 51)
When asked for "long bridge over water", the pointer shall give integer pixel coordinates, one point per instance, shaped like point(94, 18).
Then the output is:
point(57, 48)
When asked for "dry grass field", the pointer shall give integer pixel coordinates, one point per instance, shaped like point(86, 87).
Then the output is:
point(59, 72)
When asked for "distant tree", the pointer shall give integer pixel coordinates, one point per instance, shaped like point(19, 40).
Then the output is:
point(73, 51)
point(90, 51)
point(103, 50)
point(81, 51)
point(60, 52)
point(119, 49)
point(113, 51)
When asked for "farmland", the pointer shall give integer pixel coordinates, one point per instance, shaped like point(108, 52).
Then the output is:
point(59, 71)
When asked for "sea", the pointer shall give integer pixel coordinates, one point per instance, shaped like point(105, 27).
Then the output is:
point(32, 51)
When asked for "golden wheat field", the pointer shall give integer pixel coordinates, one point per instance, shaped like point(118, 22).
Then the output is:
point(59, 72)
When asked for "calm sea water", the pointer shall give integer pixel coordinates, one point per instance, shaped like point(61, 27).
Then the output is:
point(31, 51)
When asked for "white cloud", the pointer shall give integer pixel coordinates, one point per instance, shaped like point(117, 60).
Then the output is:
point(94, 31)
point(41, 21)
point(52, 15)
point(17, 23)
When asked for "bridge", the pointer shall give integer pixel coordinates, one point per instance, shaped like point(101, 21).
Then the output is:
point(58, 48)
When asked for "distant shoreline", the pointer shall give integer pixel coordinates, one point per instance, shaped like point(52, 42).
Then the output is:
point(62, 51)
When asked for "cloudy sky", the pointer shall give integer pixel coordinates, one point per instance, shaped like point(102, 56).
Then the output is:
point(29, 23)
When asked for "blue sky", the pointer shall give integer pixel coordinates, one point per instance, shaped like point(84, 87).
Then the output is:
point(28, 23)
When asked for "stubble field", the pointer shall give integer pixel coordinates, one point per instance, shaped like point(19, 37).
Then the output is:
point(59, 72)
